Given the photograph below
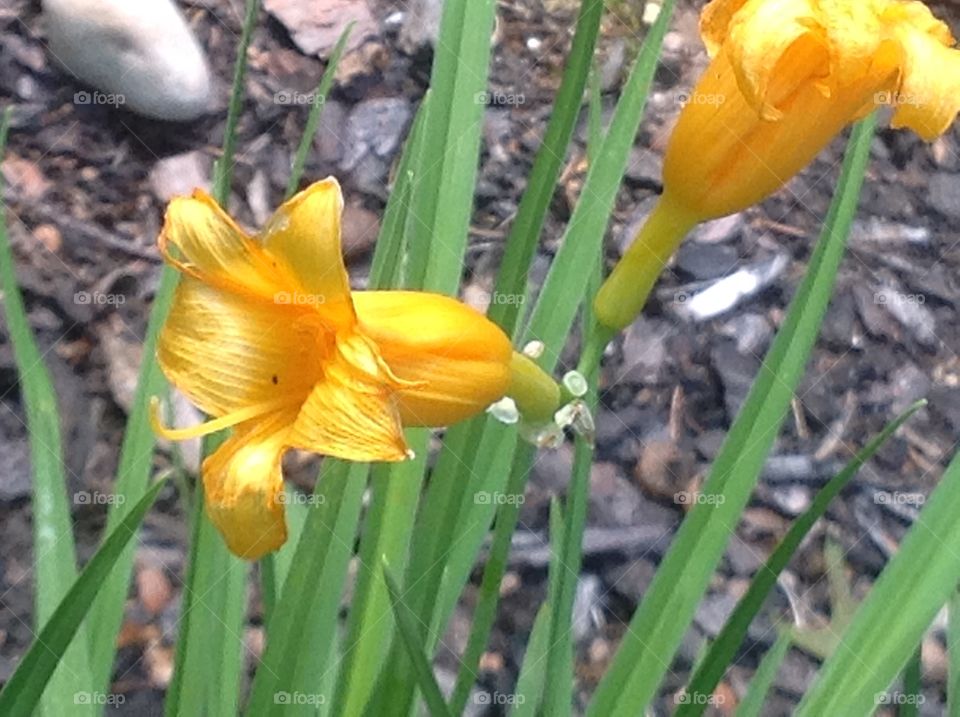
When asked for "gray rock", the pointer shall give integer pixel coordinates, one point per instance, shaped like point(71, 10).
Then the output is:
point(736, 372)
point(706, 261)
point(614, 501)
point(730, 291)
point(587, 612)
point(912, 313)
point(180, 175)
point(878, 231)
point(375, 129)
point(631, 579)
point(15, 476)
point(329, 137)
point(421, 25)
point(142, 56)
point(944, 193)
point(752, 332)
point(714, 611)
point(645, 167)
point(719, 230)
point(645, 354)
point(316, 26)
point(908, 384)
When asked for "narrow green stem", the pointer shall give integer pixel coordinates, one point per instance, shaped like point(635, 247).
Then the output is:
point(625, 292)
point(319, 99)
point(224, 168)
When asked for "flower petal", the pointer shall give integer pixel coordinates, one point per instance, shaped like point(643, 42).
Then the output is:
point(460, 359)
point(351, 412)
point(775, 48)
point(303, 236)
point(242, 481)
point(929, 96)
point(213, 248)
point(227, 352)
point(715, 22)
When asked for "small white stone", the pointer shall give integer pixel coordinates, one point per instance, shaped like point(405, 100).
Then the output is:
point(142, 55)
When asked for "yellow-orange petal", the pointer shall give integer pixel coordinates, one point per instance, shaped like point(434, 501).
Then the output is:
point(242, 482)
point(928, 99)
point(227, 352)
point(459, 358)
point(715, 21)
point(214, 249)
point(775, 47)
point(303, 237)
point(351, 412)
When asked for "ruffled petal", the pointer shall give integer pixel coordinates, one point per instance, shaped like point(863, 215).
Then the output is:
point(303, 237)
point(351, 412)
point(214, 249)
point(855, 32)
point(776, 48)
point(929, 95)
point(459, 358)
point(227, 352)
point(242, 481)
point(715, 21)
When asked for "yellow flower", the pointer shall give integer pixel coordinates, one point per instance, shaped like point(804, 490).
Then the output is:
point(785, 77)
point(265, 335)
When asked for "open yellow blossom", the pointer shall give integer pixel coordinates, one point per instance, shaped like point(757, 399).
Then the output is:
point(785, 77)
point(266, 337)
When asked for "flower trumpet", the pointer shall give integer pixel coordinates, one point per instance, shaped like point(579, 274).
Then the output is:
point(265, 336)
point(785, 77)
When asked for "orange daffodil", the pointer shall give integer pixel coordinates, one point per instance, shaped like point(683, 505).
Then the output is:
point(785, 77)
point(265, 336)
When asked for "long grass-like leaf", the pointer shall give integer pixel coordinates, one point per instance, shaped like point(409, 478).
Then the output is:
point(890, 623)
point(386, 537)
point(210, 645)
point(953, 652)
point(533, 671)
point(566, 283)
point(21, 694)
point(722, 651)
point(53, 545)
point(307, 608)
point(319, 100)
point(752, 702)
point(667, 610)
point(406, 623)
point(525, 233)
